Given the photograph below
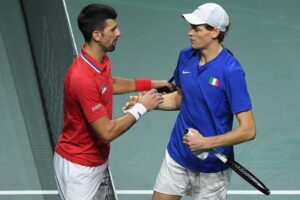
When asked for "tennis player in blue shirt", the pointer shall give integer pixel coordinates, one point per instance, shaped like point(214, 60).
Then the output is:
point(211, 91)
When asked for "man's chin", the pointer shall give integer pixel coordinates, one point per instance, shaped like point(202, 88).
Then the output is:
point(112, 48)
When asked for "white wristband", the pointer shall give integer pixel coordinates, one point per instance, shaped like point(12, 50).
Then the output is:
point(137, 110)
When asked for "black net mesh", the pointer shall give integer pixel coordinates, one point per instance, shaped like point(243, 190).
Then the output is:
point(53, 52)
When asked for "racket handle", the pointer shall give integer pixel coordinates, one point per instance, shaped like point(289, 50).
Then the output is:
point(202, 155)
point(166, 89)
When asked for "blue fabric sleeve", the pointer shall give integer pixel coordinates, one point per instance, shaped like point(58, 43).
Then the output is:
point(237, 92)
point(176, 72)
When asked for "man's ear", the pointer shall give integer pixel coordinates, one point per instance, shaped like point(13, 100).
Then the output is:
point(97, 35)
point(215, 33)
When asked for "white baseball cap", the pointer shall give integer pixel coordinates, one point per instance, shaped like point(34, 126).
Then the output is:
point(209, 13)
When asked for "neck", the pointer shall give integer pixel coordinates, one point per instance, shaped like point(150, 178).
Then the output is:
point(210, 53)
point(94, 51)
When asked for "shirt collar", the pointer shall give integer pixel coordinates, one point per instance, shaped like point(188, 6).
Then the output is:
point(93, 63)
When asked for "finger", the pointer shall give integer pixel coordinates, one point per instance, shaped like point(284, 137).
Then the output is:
point(129, 104)
point(139, 97)
point(161, 101)
point(154, 95)
point(171, 86)
point(186, 138)
point(152, 91)
point(125, 110)
point(193, 130)
point(157, 95)
point(133, 98)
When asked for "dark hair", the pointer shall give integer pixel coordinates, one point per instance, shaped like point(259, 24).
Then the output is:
point(92, 17)
point(222, 34)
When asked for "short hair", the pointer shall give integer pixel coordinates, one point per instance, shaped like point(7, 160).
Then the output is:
point(92, 17)
point(222, 34)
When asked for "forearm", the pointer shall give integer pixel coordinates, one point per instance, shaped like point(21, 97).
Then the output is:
point(172, 101)
point(107, 130)
point(123, 85)
point(236, 136)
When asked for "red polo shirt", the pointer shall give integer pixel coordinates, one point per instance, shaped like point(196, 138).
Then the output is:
point(88, 92)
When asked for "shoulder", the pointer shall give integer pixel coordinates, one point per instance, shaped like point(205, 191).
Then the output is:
point(79, 80)
point(231, 63)
point(187, 52)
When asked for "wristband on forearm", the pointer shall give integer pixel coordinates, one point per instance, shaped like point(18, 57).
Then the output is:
point(142, 84)
point(138, 110)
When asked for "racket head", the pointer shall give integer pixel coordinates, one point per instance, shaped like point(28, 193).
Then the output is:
point(248, 176)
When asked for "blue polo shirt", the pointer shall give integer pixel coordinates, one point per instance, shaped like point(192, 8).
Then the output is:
point(212, 94)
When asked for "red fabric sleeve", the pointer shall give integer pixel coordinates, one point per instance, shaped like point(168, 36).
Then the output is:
point(89, 97)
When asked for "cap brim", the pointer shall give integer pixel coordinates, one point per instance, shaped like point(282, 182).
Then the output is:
point(192, 19)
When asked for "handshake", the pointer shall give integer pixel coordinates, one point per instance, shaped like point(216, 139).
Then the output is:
point(139, 105)
point(147, 101)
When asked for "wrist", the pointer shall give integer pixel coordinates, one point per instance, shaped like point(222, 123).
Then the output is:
point(137, 111)
point(143, 84)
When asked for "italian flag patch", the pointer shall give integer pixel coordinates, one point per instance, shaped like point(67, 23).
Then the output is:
point(213, 81)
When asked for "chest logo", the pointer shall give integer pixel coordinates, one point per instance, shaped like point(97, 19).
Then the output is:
point(213, 81)
point(185, 72)
point(103, 88)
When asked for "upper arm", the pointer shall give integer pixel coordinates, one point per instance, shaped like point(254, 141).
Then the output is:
point(88, 96)
point(102, 126)
point(247, 123)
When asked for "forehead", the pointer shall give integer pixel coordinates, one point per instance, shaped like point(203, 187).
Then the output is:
point(200, 26)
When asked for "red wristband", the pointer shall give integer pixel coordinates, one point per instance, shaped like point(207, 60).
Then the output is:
point(142, 84)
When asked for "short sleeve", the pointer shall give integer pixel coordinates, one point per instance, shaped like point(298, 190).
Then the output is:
point(237, 92)
point(89, 97)
point(176, 72)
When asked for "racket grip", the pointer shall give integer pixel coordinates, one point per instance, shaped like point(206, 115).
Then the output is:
point(202, 155)
point(166, 89)
point(163, 89)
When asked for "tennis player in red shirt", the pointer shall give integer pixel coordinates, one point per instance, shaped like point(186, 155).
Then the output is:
point(81, 153)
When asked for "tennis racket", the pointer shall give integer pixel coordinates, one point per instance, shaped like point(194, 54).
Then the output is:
point(243, 172)
point(239, 169)
point(166, 89)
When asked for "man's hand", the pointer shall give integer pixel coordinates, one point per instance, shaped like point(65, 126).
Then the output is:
point(195, 141)
point(132, 101)
point(163, 86)
point(150, 100)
